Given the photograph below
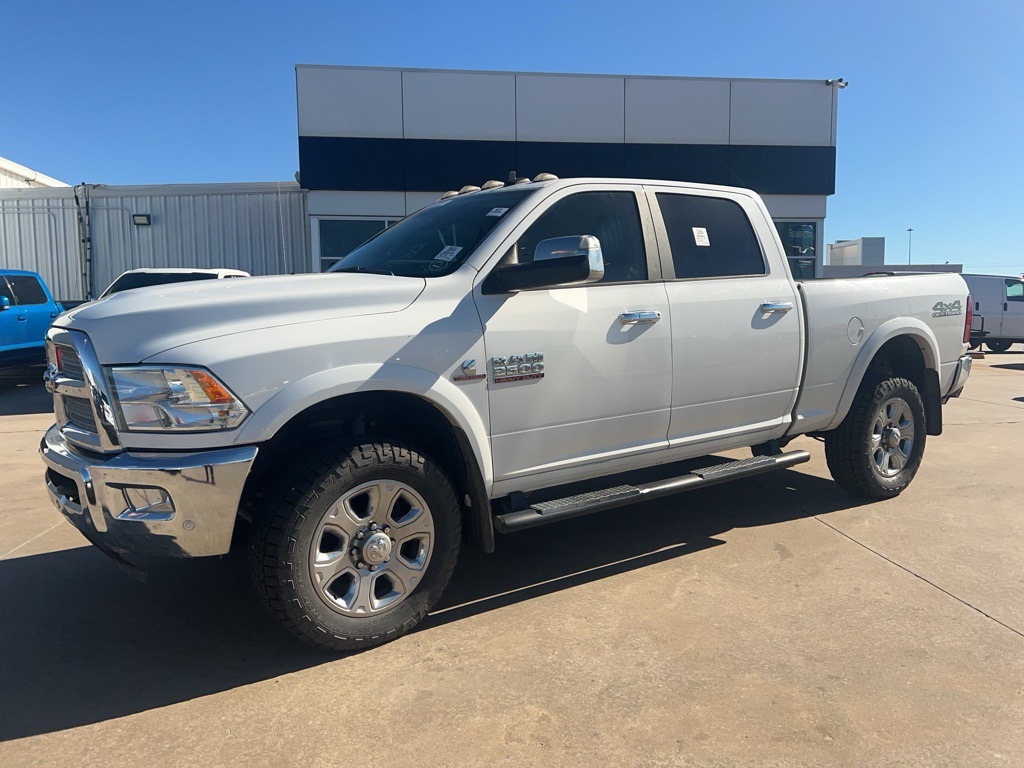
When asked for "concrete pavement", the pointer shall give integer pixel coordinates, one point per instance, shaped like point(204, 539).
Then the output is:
point(773, 621)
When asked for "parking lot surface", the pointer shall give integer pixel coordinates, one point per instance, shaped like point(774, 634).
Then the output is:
point(773, 621)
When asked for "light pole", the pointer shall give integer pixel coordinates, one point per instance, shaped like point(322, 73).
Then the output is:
point(910, 242)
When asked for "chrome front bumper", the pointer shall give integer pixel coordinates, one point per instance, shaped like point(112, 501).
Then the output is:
point(148, 504)
point(960, 376)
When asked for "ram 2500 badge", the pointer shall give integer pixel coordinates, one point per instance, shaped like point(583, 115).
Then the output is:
point(455, 376)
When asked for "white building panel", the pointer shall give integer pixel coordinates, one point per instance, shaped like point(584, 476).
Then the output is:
point(349, 102)
point(416, 200)
point(567, 108)
point(459, 105)
point(341, 203)
point(781, 113)
point(675, 111)
point(795, 206)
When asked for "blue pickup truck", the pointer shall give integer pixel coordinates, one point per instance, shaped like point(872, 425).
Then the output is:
point(26, 310)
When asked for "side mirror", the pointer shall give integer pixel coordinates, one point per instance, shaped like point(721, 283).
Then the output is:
point(5, 303)
point(572, 260)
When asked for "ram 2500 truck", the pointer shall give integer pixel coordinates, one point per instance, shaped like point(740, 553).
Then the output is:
point(453, 377)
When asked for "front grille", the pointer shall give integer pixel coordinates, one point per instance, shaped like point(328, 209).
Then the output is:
point(79, 413)
point(71, 363)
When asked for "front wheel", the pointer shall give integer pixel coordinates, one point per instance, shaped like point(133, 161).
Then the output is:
point(998, 345)
point(360, 546)
point(876, 451)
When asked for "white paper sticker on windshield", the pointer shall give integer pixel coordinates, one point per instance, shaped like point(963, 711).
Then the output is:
point(497, 211)
point(700, 237)
point(448, 253)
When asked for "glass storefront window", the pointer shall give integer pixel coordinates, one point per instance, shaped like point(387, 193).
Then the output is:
point(340, 236)
point(799, 239)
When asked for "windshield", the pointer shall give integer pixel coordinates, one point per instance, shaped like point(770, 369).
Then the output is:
point(436, 240)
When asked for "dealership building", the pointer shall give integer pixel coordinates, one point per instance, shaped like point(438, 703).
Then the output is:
point(376, 144)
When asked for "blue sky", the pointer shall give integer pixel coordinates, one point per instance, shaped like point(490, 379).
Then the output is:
point(930, 130)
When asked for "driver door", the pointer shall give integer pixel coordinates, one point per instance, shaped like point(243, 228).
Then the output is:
point(603, 387)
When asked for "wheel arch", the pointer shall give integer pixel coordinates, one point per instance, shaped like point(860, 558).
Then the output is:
point(902, 348)
point(411, 409)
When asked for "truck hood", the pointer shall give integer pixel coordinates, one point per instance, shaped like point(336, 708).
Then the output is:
point(131, 326)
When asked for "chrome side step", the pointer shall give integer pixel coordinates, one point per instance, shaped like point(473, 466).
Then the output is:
point(545, 512)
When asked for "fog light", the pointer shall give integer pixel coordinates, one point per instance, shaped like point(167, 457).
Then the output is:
point(146, 504)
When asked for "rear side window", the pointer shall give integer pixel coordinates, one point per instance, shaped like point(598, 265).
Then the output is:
point(709, 237)
point(1014, 290)
point(27, 290)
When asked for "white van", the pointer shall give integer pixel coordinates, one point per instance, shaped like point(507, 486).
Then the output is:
point(998, 310)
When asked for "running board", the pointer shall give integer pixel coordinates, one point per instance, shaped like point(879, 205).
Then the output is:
point(545, 512)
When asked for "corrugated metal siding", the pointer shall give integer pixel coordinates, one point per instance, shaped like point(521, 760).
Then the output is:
point(41, 234)
point(261, 228)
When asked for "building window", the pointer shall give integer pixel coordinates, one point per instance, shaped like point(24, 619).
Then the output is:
point(340, 236)
point(799, 240)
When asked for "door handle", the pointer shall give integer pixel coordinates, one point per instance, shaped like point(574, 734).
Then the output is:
point(22, 318)
point(639, 318)
point(776, 307)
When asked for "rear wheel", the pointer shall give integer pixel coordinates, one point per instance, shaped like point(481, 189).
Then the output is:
point(877, 449)
point(998, 345)
point(359, 547)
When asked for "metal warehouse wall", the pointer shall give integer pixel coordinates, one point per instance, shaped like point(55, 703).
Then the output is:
point(260, 228)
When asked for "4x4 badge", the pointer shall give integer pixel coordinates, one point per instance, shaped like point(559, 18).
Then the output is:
point(942, 309)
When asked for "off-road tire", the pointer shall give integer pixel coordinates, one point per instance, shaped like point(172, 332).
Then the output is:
point(283, 531)
point(850, 450)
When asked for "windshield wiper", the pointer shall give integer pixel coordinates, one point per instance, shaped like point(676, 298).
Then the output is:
point(370, 270)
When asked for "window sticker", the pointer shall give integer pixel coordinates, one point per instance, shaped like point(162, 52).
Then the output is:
point(497, 211)
point(700, 237)
point(448, 253)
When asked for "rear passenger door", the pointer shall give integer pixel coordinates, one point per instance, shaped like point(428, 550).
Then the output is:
point(736, 335)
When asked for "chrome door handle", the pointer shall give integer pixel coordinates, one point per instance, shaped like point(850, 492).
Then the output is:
point(639, 318)
point(776, 307)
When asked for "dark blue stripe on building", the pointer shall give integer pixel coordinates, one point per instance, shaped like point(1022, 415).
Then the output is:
point(426, 165)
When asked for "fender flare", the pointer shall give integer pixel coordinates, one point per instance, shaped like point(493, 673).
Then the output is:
point(886, 332)
point(336, 382)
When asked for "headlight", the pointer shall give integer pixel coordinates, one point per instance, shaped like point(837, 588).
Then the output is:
point(155, 398)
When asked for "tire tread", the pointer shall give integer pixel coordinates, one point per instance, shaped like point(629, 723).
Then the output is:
point(273, 548)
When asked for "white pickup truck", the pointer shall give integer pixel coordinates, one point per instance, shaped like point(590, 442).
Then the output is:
point(456, 375)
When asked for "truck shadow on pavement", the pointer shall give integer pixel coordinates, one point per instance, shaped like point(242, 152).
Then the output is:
point(22, 392)
point(82, 642)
